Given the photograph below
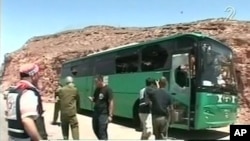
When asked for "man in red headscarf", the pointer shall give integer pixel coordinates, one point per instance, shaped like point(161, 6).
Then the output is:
point(24, 106)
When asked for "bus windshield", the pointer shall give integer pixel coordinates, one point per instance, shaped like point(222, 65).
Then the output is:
point(217, 66)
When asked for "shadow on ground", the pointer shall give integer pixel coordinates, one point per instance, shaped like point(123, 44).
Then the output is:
point(117, 120)
point(173, 133)
point(197, 135)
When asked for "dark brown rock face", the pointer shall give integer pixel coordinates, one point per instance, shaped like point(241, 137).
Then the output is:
point(52, 50)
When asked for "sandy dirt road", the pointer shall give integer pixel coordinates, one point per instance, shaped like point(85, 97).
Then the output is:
point(116, 131)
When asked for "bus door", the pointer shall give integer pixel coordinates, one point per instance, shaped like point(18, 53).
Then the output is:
point(180, 90)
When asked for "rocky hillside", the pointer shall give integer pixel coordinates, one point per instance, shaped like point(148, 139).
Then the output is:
point(52, 50)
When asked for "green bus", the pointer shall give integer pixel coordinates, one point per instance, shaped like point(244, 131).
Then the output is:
point(200, 71)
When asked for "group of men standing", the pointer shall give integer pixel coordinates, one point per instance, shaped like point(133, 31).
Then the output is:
point(66, 97)
point(155, 109)
point(24, 112)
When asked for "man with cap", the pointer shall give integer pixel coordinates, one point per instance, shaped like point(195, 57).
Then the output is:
point(24, 106)
point(68, 96)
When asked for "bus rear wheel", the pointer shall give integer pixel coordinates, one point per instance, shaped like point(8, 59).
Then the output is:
point(136, 119)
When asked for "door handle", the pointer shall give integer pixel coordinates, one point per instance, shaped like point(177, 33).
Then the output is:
point(173, 93)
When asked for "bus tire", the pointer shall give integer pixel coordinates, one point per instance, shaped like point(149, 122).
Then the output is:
point(136, 119)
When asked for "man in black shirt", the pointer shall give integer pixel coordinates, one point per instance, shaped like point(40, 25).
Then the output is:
point(161, 102)
point(103, 109)
point(144, 108)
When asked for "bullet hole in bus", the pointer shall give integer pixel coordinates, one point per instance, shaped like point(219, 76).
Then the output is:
point(73, 71)
point(181, 75)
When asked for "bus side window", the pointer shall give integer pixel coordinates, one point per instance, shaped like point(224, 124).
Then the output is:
point(104, 66)
point(127, 64)
point(65, 72)
point(185, 43)
point(85, 68)
point(154, 58)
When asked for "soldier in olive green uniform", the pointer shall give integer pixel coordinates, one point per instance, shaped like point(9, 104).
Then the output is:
point(57, 106)
point(68, 95)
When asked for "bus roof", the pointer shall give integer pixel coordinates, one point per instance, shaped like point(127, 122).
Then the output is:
point(155, 40)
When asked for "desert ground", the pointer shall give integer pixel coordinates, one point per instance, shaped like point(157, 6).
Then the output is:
point(117, 130)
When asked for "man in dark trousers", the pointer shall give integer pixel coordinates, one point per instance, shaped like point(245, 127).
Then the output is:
point(68, 95)
point(57, 106)
point(160, 108)
point(103, 109)
point(144, 109)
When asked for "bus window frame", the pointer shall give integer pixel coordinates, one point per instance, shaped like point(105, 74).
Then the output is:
point(65, 69)
point(127, 53)
point(168, 45)
point(184, 48)
point(110, 57)
point(89, 70)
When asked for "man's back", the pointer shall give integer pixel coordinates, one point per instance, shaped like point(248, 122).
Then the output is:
point(68, 95)
point(160, 101)
point(144, 105)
